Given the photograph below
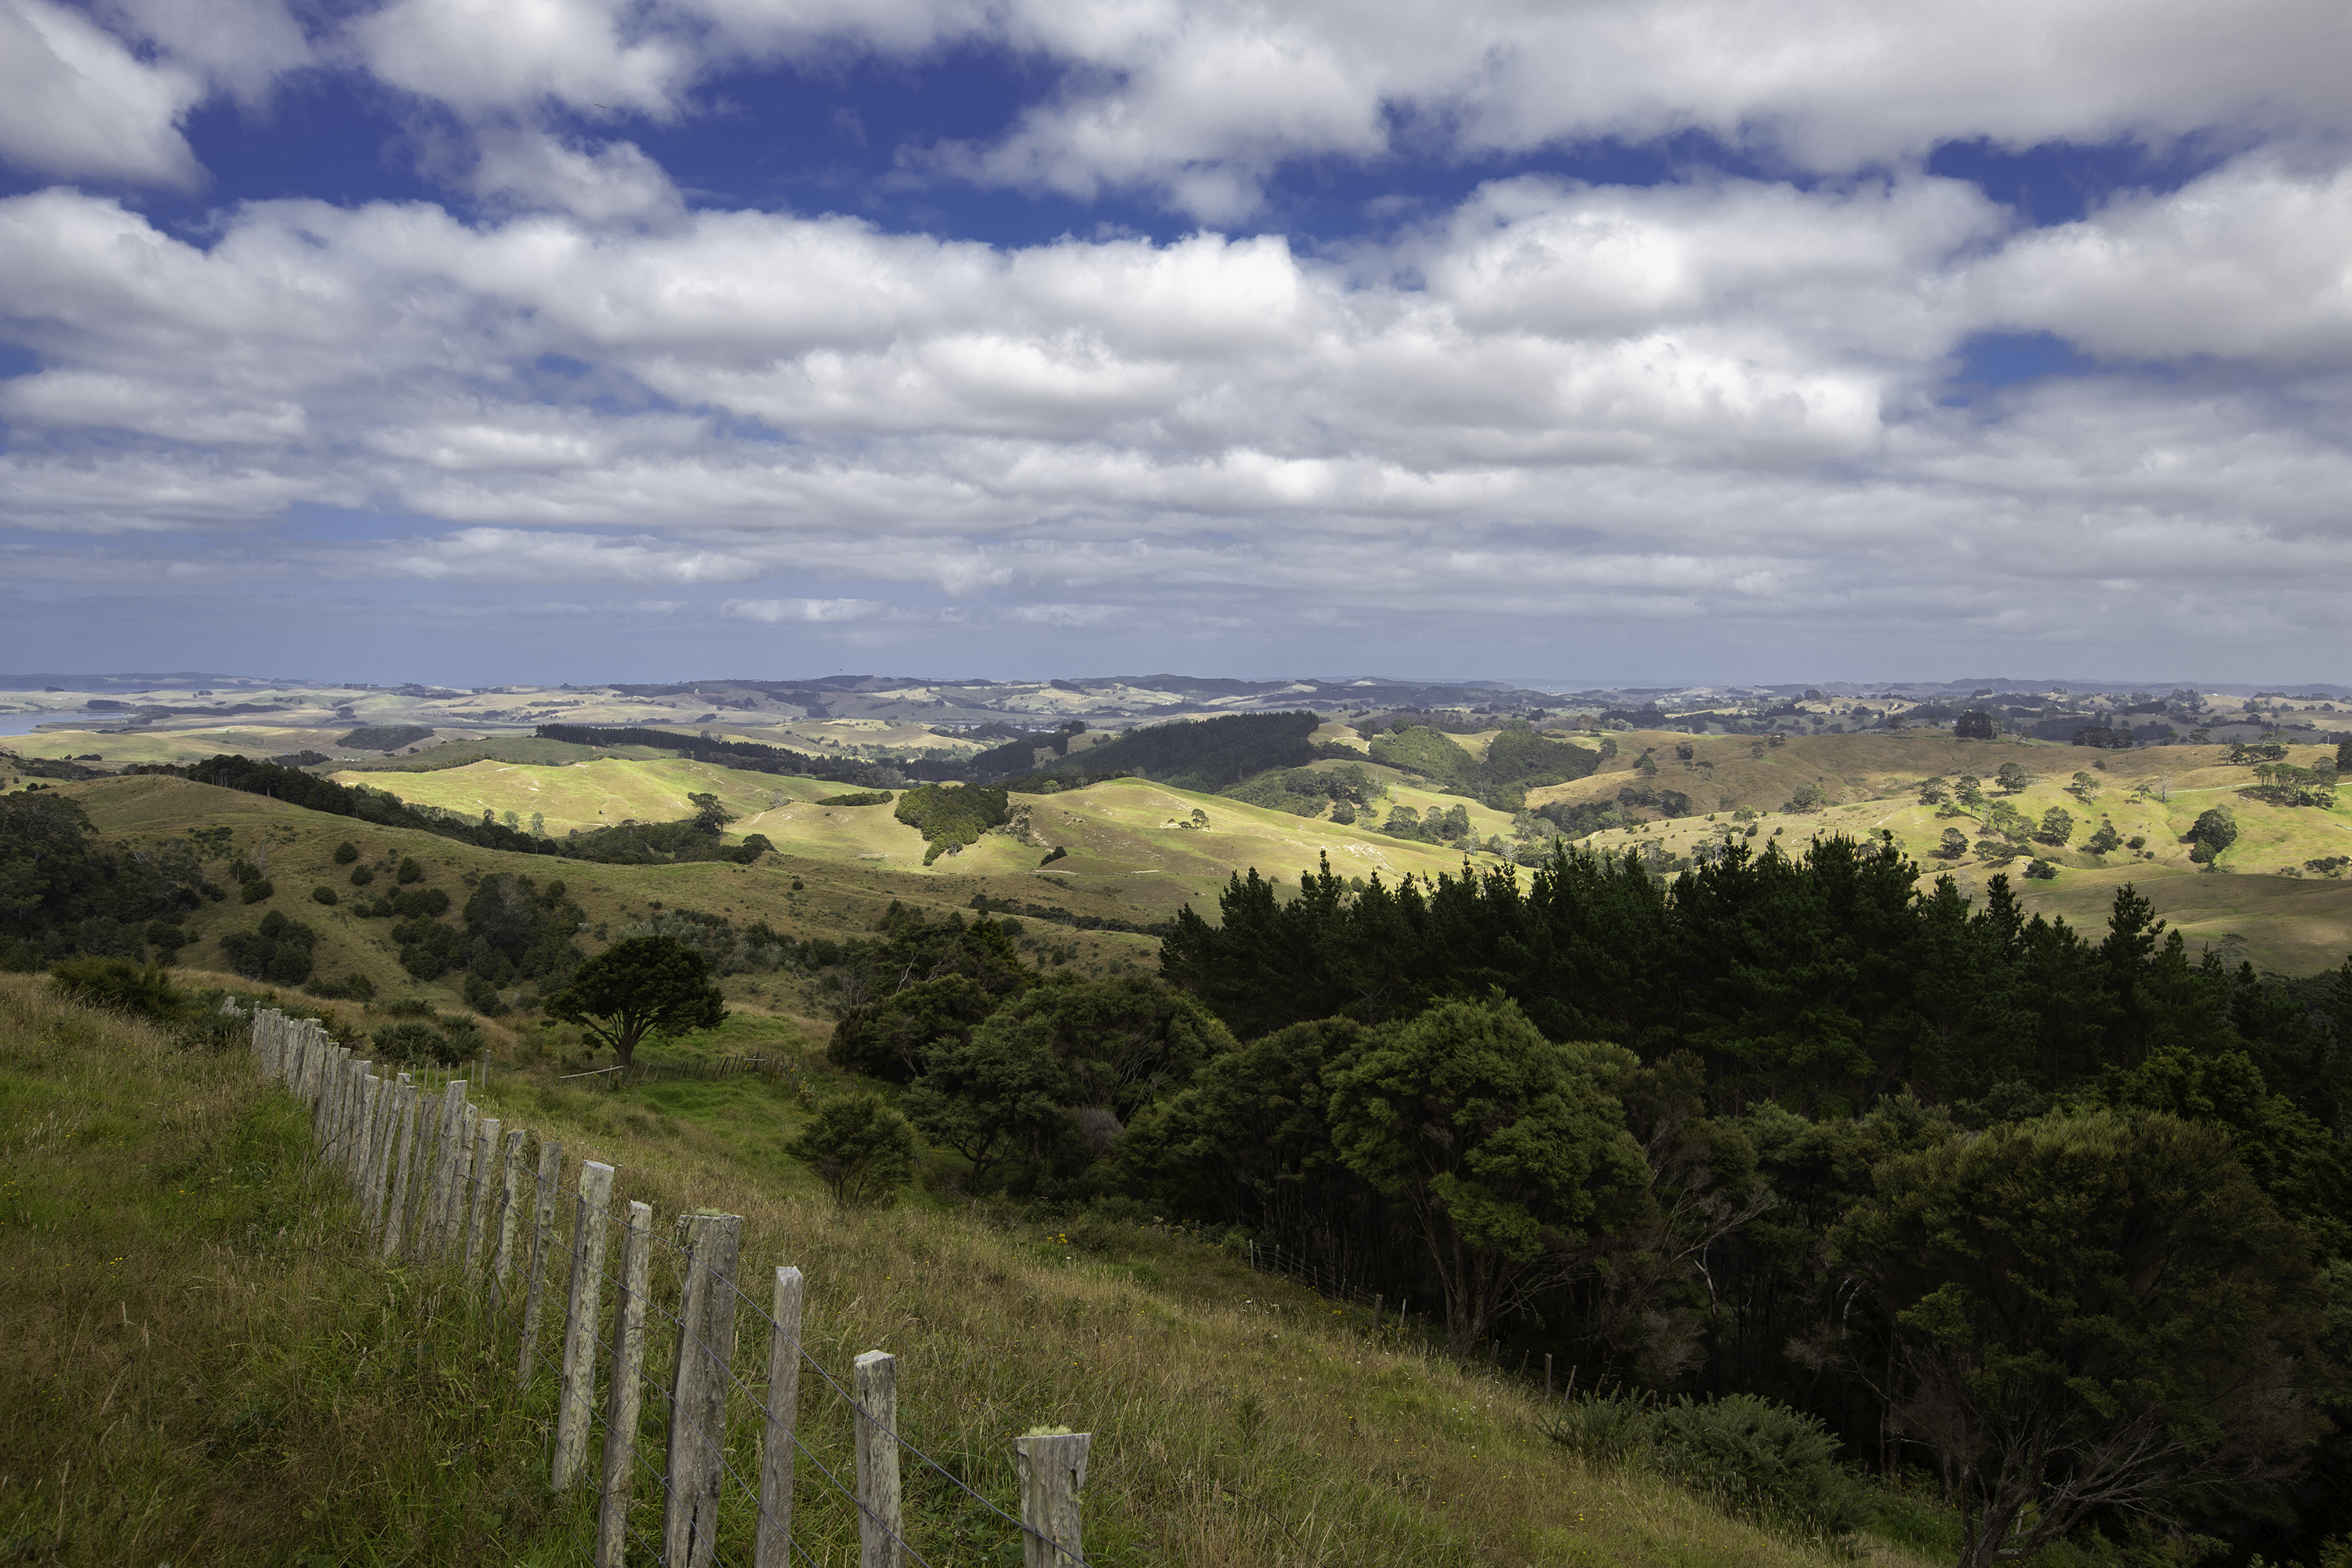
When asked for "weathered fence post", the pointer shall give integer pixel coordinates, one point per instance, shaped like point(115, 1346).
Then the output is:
point(571, 1415)
point(874, 1389)
point(1052, 1467)
point(485, 1153)
point(510, 1176)
point(433, 1229)
point(461, 1184)
point(383, 1113)
point(697, 1402)
point(1547, 1375)
point(357, 1107)
point(363, 1148)
point(773, 1547)
point(401, 1158)
point(543, 1236)
point(623, 1395)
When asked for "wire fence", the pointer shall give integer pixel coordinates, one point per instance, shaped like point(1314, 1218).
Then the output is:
point(700, 1456)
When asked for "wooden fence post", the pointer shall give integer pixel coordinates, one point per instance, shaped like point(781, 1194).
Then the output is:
point(873, 1390)
point(461, 1184)
point(370, 1134)
point(773, 1547)
point(387, 1117)
point(1547, 1375)
point(355, 1121)
point(697, 1401)
point(571, 1415)
point(486, 1154)
point(400, 1158)
point(418, 1202)
point(433, 1228)
point(1053, 1469)
point(510, 1176)
point(624, 1394)
point(543, 1236)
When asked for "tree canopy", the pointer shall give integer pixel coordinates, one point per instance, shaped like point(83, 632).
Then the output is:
point(639, 986)
point(2086, 1313)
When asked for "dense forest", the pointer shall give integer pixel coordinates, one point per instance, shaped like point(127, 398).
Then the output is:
point(2059, 1216)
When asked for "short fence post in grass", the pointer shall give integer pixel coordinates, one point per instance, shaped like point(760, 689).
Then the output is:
point(400, 1158)
point(1546, 1375)
point(543, 1236)
point(1377, 1301)
point(874, 1387)
point(511, 1178)
point(1053, 1469)
point(697, 1400)
point(571, 1415)
point(624, 1394)
point(485, 1155)
point(773, 1546)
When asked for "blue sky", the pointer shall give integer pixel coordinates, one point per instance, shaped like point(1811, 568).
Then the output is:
point(1691, 339)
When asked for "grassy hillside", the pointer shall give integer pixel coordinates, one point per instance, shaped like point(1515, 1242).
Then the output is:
point(205, 1366)
point(1129, 839)
point(2264, 903)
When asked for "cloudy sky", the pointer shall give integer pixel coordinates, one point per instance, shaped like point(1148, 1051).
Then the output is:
point(1584, 340)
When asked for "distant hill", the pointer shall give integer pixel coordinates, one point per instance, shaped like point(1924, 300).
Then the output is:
point(1206, 756)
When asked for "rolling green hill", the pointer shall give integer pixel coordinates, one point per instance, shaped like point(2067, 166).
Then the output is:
point(2265, 901)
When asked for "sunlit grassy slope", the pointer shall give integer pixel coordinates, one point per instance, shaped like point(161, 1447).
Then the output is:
point(1128, 840)
point(2293, 924)
point(204, 1365)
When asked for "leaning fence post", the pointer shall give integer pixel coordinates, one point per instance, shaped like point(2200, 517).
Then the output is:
point(624, 1394)
point(773, 1547)
point(1052, 1467)
point(403, 1149)
point(486, 1152)
point(697, 1401)
point(874, 1386)
point(509, 1213)
point(542, 1234)
point(571, 1415)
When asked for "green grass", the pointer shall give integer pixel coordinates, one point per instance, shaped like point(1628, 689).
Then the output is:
point(206, 1366)
point(202, 1363)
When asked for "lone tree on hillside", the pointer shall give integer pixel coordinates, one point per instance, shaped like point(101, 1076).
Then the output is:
point(2012, 777)
point(1976, 724)
point(647, 985)
point(864, 1149)
point(2215, 829)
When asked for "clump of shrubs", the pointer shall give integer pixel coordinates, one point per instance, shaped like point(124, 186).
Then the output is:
point(1755, 1458)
